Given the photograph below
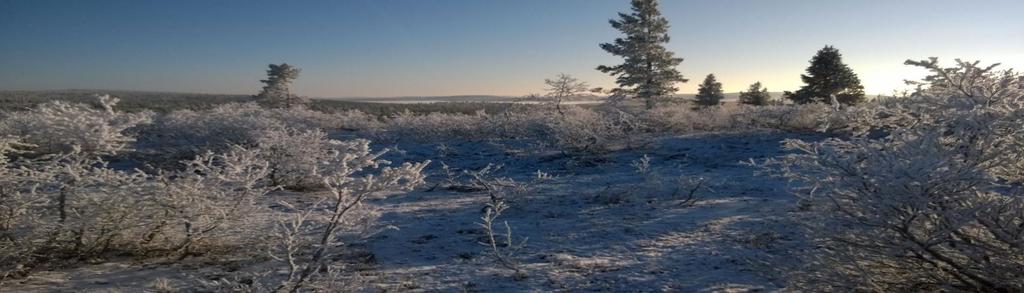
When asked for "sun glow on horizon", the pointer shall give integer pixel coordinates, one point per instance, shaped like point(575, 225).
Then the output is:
point(420, 48)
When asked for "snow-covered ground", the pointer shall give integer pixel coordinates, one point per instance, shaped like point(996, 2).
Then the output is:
point(592, 227)
point(602, 227)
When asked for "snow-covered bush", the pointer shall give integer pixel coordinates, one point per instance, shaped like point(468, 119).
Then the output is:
point(59, 126)
point(10, 145)
point(671, 119)
point(184, 134)
point(292, 140)
point(84, 207)
point(934, 204)
point(584, 132)
point(294, 156)
point(72, 206)
point(17, 214)
point(588, 131)
point(576, 130)
point(64, 206)
point(210, 204)
point(520, 122)
point(718, 118)
point(181, 135)
point(799, 117)
point(303, 117)
point(435, 126)
point(357, 120)
point(501, 245)
point(306, 236)
point(683, 119)
point(307, 239)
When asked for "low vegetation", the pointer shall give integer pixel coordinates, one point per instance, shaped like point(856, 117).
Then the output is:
point(909, 193)
point(925, 196)
point(280, 193)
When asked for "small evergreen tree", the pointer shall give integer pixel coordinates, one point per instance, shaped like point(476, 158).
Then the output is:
point(709, 93)
point(828, 80)
point(649, 71)
point(756, 95)
point(276, 92)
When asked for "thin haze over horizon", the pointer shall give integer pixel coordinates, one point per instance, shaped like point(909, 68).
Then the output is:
point(369, 48)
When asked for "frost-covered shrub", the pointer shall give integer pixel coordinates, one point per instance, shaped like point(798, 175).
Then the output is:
point(64, 206)
point(683, 119)
point(965, 88)
point(671, 119)
point(357, 120)
point(59, 126)
point(879, 115)
point(575, 130)
point(435, 126)
point(210, 204)
point(933, 204)
point(184, 134)
point(72, 206)
point(294, 156)
point(303, 117)
point(83, 207)
point(308, 238)
point(514, 123)
point(292, 140)
point(680, 118)
point(594, 130)
point(799, 117)
point(18, 214)
point(518, 123)
point(586, 132)
point(718, 118)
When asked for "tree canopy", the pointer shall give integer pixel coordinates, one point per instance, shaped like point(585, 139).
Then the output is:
point(756, 95)
point(828, 80)
point(709, 92)
point(649, 70)
point(276, 90)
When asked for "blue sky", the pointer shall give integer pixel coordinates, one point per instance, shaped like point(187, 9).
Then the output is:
point(449, 47)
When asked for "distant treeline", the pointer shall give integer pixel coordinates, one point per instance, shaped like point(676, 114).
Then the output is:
point(162, 102)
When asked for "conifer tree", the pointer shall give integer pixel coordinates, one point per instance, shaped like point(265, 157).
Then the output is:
point(709, 92)
point(828, 80)
point(649, 71)
point(756, 95)
point(276, 91)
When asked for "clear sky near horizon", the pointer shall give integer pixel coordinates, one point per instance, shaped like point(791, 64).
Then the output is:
point(368, 48)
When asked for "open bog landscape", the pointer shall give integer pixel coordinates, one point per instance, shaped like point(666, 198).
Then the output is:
point(608, 227)
point(454, 146)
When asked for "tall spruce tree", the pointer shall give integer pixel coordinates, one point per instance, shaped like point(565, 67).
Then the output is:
point(709, 92)
point(828, 80)
point(276, 90)
point(649, 71)
point(756, 95)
